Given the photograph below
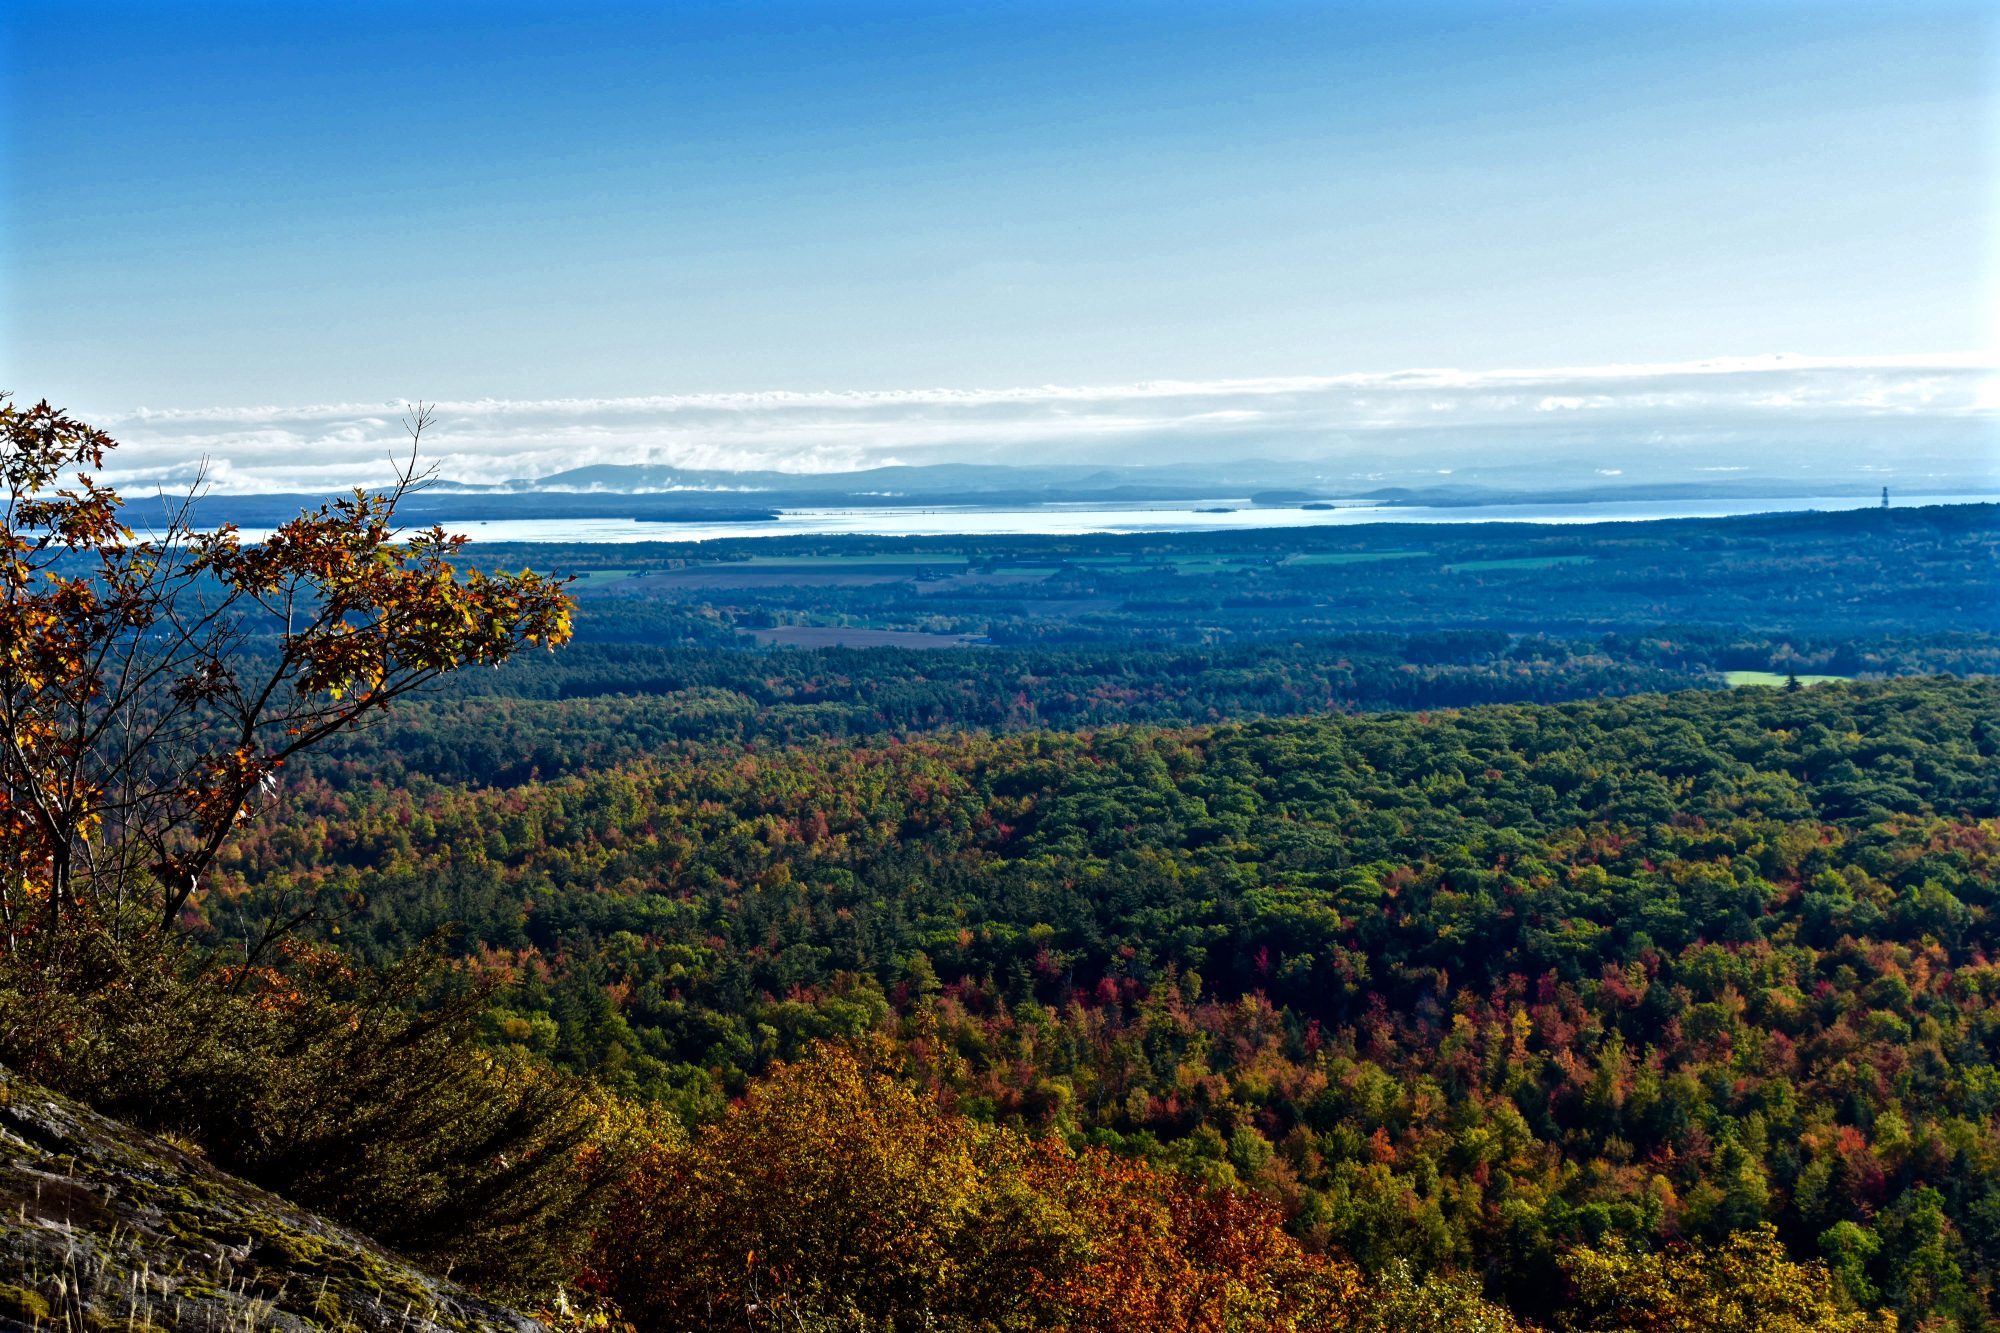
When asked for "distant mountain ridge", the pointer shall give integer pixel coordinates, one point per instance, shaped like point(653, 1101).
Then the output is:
point(894, 480)
point(1262, 481)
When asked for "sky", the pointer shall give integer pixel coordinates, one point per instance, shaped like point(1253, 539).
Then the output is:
point(827, 235)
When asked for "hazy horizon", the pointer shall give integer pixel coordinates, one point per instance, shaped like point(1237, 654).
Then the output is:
point(1809, 418)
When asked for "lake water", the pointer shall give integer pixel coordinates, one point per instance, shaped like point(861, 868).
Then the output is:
point(1075, 520)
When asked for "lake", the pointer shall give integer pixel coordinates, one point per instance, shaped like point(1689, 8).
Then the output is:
point(1057, 520)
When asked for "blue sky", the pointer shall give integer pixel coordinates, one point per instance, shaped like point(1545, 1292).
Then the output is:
point(224, 204)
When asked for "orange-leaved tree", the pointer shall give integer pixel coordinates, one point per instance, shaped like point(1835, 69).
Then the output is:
point(832, 1196)
point(152, 687)
point(836, 1195)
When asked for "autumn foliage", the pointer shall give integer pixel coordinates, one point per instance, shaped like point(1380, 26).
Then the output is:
point(1744, 1284)
point(836, 1196)
point(152, 687)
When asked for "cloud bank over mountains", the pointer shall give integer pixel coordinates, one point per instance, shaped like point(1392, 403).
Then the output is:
point(1917, 419)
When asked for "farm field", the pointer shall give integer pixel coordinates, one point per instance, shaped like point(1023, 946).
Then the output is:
point(757, 576)
point(1737, 679)
point(875, 560)
point(1518, 562)
point(1308, 561)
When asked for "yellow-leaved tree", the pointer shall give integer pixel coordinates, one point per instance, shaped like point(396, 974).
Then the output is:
point(152, 687)
point(1745, 1283)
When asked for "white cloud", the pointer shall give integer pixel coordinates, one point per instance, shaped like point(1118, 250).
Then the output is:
point(1347, 419)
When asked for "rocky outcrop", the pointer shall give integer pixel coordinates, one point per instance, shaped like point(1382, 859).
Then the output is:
point(102, 1227)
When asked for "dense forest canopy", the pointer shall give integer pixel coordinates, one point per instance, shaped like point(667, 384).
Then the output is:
point(1462, 988)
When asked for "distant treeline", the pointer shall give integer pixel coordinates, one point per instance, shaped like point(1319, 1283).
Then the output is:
point(599, 704)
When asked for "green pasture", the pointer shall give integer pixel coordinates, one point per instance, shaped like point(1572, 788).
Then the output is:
point(1519, 562)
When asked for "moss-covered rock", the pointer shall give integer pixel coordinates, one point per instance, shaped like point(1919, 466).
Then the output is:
point(104, 1227)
